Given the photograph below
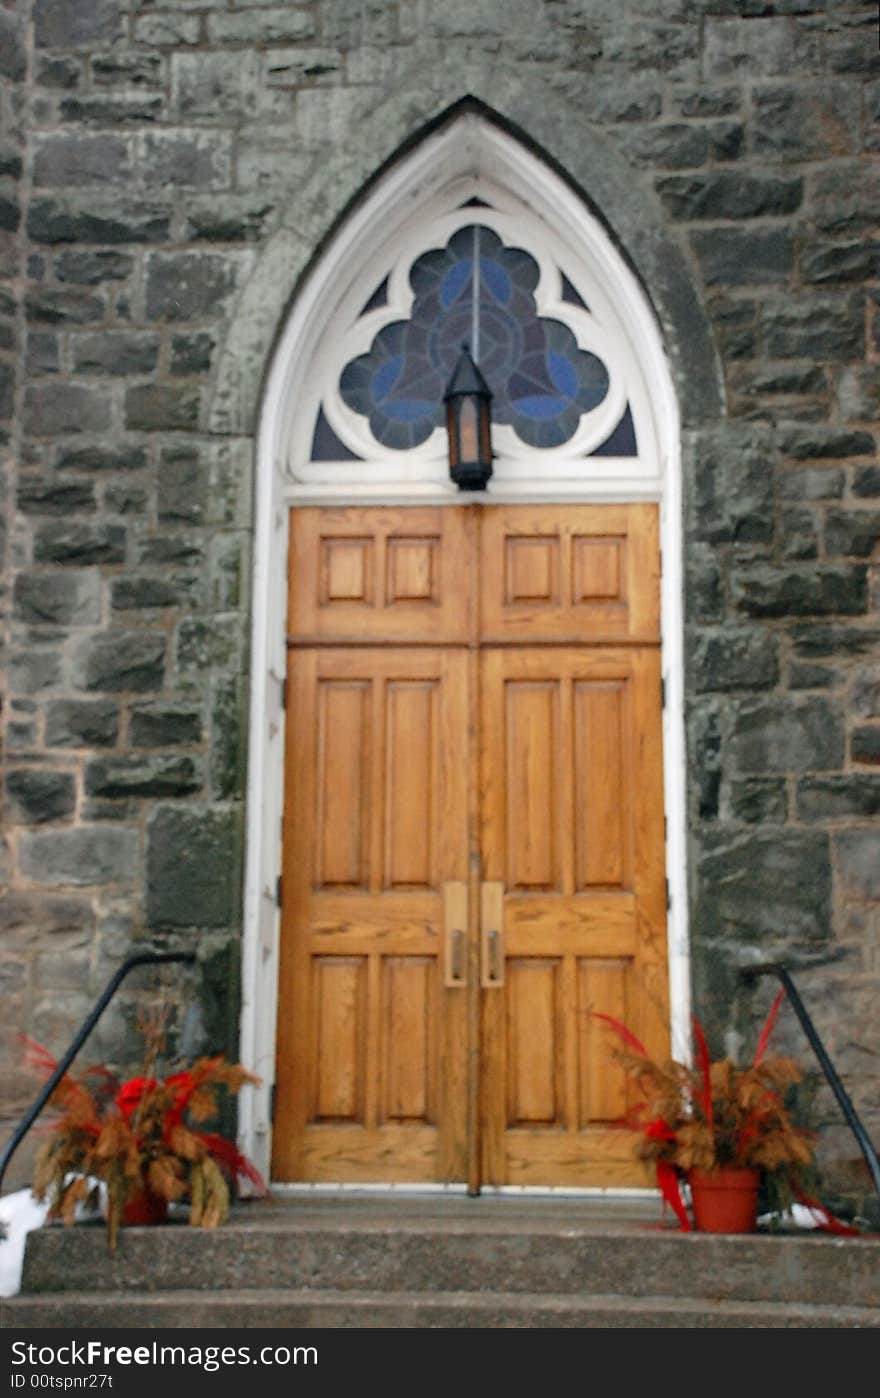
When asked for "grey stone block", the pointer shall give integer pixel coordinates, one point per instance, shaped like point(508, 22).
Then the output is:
point(34, 669)
point(759, 800)
point(182, 486)
point(127, 69)
point(828, 798)
point(813, 328)
point(839, 262)
point(262, 26)
point(864, 744)
point(37, 794)
point(103, 460)
point(70, 542)
point(734, 489)
point(92, 268)
point(112, 110)
point(53, 409)
point(42, 356)
point(193, 858)
point(191, 354)
point(730, 194)
point(858, 862)
point(69, 599)
point(213, 86)
point(167, 29)
point(732, 658)
point(115, 352)
point(819, 441)
point(768, 887)
point(865, 693)
point(132, 593)
point(232, 218)
point(58, 70)
point(63, 306)
point(162, 407)
point(185, 159)
point(806, 676)
point(790, 733)
point(858, 392)
point(82, 855)
point(31, 917)
point(184, 549)
point(809, 121)
point(208, 643)
point(845, 196)
point(768, 591)
point(815, 483)
point(187, 285)
point(142, 776)
point(866, 482)
point(82, 723)
point(13, 55)
point(123, 660)
point(58, 24)
point(54, 496)
point(743, 256)
point(59, 220)
point(82, 159)
point(834, 639)
point(165, 725)
point(854, 533)
point(798, 535)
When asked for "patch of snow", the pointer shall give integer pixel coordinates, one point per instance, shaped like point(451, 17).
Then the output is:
point(20, 1213)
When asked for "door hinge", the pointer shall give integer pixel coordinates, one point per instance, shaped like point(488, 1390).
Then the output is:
point(668, 896)
point(284, 695)
point(272, 1102)
point(278, 891)
point(662, 692)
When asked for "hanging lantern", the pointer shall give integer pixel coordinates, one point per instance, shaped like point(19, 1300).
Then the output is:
point(468, 424)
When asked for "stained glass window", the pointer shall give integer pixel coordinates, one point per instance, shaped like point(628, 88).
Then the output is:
point(477, 291)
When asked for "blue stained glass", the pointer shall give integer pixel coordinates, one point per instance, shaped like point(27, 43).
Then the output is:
point(541, 380)
point(386, 376)
point(454, 283)
point(494, 277)
point(540, 406)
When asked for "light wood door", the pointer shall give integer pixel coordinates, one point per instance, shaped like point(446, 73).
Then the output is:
point(372, 1045)
point(473, 842)
point(574, 911)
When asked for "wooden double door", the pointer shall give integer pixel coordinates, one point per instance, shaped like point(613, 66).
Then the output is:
point(473, 843)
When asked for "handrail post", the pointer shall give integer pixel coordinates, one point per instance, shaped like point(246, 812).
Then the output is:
point(144, 958)
point(773, 968)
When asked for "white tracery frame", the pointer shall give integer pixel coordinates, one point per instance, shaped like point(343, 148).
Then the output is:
point(469, 157)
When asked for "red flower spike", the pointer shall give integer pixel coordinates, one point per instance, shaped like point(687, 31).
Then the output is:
point(625, 1034)
point(705, 1073)
point(826, 1221)
point(670, 1188)
point(768, 1027)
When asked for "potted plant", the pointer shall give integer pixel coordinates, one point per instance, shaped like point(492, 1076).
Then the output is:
point(143, 1139)
point(722, 1129)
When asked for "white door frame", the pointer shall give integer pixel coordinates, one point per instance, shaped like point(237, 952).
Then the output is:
point(469, 148)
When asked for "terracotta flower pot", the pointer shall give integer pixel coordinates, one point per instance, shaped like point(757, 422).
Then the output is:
point(725, 1200)
point(144, 1207)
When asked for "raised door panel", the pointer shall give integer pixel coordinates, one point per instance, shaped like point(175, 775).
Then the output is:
point(570, 573)
point(383, 575)
point(372, 1058)
point(572, 836)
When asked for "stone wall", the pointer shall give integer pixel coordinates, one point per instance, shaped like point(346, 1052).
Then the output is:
point(168, 167)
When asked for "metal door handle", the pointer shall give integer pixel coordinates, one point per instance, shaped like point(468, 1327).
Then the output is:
point(455, 917)
point(492, 922)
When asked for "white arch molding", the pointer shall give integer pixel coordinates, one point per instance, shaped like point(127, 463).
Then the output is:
point(469, 157)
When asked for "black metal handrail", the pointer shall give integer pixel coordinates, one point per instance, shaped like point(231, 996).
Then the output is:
point(772, 968)
point(144, 958)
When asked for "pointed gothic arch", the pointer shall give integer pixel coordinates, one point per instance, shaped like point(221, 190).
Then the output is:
point(427, 192)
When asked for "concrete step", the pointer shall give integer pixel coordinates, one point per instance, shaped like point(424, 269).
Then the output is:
point(464, 1245)
point(427, 1262)
point(299, 1309)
